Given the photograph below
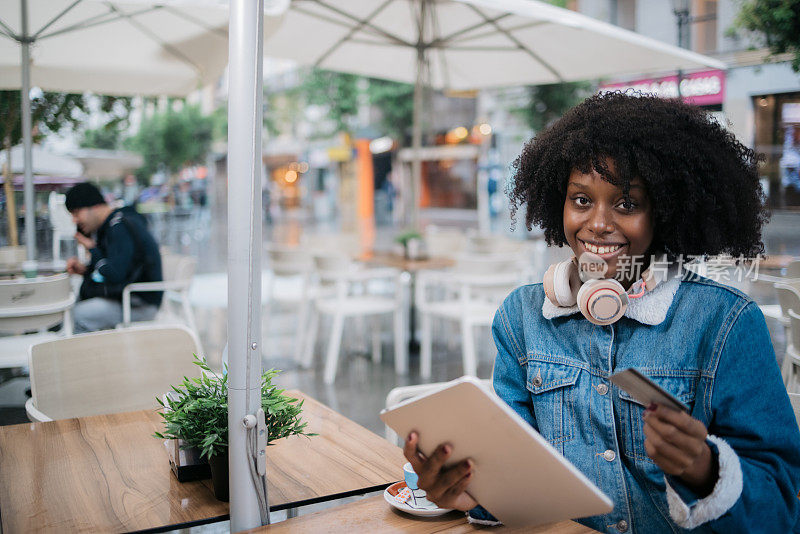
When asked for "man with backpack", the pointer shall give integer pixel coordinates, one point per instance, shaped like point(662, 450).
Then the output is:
point(122, 252)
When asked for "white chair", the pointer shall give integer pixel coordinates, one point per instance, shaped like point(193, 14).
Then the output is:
point(28, 308)
point(345, 290)
point(788, 299)
point(108, 372)
point(404, 393)
point(469, 295)
point(791, 360)
point(793, 270)
point(60, 221)
point(443, 241)
point(11, 258)
point(290, 282)
point(794, 398)
point(178, 271)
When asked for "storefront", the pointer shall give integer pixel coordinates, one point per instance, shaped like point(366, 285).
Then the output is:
point(777, 137)
point(705, 89)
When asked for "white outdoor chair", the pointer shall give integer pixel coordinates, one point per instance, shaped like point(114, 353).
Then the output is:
point(791, 360)
point(404, 393)
point(290, 283)
point(793, 270)
point(344, 290)
point(443, 241)
point(28, 308)
point(60, 221)
point(469, 295)
point(178, 271)
point(794, 398)
point(11, 257)
point(108, 372)
point(788, 299)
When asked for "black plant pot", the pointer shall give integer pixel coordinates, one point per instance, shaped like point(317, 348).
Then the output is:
point(219, 475)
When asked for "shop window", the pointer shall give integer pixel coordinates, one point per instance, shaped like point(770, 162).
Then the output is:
point(777, 137)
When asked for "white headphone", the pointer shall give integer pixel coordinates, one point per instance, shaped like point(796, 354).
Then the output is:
point(602, 301)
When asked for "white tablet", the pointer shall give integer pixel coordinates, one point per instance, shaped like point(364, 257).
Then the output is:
point(519, 477)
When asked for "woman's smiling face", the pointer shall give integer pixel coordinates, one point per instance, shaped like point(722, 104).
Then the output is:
point(600, 220)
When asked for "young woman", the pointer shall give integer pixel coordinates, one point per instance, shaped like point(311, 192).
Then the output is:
point(641, 181)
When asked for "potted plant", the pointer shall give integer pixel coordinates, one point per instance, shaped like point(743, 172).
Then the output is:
point(198, 415)
point(412, 244)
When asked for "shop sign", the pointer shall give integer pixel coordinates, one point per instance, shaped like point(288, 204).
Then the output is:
point(705, 88)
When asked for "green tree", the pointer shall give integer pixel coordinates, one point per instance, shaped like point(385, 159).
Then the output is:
point(547, 103)
point(54, 112)
point(105, 138)
point(772, 23)
point(171, 140)
point(395, 101)
point(335, 90)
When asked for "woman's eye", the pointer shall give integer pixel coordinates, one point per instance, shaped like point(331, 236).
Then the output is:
point(627, 205)
point(581, 201)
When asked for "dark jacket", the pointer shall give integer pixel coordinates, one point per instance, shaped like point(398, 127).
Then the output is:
point(126, 252)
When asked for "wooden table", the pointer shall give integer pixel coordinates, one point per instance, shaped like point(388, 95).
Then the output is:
point(107, 473)
point(375, 515)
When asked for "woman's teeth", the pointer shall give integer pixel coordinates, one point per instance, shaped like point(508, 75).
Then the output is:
point(594, 249)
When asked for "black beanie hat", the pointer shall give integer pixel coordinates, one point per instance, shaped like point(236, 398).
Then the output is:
point(83, 195)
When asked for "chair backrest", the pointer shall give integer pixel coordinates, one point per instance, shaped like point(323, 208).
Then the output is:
point(794, 398)
point(328, 265)
point(112, 371)
point(12, 257)
point(475, 264)
point(443, 241)
point(793, 270)
point(788, 298)
point(794, 329)
point(289, 261)
point(60, 218)
point(343, 243)
point(28, 304)
point(177, 267)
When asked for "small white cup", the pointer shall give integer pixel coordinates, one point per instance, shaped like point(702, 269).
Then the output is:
point(410, 477)
point(30, 268)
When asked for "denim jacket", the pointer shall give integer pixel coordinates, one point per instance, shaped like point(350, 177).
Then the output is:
point(704, 342)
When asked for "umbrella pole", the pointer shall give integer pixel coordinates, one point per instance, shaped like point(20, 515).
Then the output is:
point(30, 206)
point(416, 144)
point(11, 204)
point(244, 259)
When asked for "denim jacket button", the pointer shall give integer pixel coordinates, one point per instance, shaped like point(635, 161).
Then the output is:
point(537, 381)
point(622, 525)
point(609, 455)
point(602, 389)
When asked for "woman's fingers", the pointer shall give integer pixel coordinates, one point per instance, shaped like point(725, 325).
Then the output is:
point(431, 470)
point(680, 420)
point(412, 453)
point(448, 479)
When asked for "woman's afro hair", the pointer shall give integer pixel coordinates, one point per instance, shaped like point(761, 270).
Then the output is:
point(702, 182)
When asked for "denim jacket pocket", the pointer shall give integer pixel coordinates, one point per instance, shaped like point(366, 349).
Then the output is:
point(682, 387)
point(552, 388)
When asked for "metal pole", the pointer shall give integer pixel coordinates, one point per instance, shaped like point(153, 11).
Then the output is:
point(244, 250)
point(27, 142)
point(416, 144)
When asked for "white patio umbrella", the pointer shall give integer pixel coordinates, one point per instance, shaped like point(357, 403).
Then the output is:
point(134, 47)
point(466, 44)
point(168, 47)
point(44, 162)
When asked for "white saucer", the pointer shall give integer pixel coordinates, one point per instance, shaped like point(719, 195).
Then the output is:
point(427, 509)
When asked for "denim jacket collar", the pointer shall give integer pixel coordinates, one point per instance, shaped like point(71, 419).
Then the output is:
point(650, 309)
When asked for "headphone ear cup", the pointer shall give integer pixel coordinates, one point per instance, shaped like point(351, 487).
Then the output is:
point(566, 283)
point(547, 284)
point(602, 301)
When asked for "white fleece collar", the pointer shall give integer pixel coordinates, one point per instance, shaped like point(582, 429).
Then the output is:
point(650, 309)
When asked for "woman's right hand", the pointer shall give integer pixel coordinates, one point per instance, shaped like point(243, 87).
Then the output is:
point(445, 487)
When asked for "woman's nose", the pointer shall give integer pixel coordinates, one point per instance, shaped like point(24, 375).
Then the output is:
point(602, 221)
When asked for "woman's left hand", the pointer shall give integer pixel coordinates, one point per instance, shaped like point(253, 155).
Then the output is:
point(676, 442)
